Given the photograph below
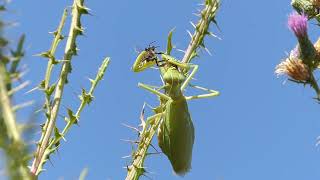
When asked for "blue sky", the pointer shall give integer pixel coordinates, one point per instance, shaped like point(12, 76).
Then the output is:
point(259, 128)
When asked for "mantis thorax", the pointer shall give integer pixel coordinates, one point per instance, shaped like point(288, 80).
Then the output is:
point(173, 80)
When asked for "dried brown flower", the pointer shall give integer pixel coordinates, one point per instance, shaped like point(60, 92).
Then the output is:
point(294, 68)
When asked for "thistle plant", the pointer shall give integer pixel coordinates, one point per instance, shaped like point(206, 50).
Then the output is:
point(172, 119)
point(303, 61)
point(53, 92)
point(176, 143)
point(309, 7)
point(12, 142)
point(11, 132)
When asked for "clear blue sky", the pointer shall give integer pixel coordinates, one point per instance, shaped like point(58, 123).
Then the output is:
point(258, 129)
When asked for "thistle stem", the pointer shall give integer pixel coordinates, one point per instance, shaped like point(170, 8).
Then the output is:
point(315, 86)
point(9, 119)
point(70, 50)
point(207, 16)
point(8, 113)
point(137, 169)
point(83, 103)
point(51, 52)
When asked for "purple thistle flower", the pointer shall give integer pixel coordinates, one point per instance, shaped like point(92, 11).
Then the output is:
point(298, 24)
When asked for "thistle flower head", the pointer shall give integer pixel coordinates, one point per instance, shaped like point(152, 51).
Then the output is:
point(294, 68)
point(298, 24)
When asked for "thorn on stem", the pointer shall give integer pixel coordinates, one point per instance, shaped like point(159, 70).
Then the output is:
point(154, 147)
point(130, 141)
point(143, 122)
point(131, 127)
point(189, 34)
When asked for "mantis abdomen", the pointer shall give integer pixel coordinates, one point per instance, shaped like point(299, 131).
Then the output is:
point(176, 135)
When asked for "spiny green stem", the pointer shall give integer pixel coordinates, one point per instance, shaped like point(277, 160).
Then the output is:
point(136, 169)
point(83, 103)
point(84, 174)
point(207, 16)
point(9, 119)
point(75, 29)
point(57, 38)
point(8, 113)
point(50, 55)
point(315, 86)
point(18, 54)
point(16, 58)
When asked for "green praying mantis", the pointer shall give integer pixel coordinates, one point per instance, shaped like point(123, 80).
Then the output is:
point(176, 131)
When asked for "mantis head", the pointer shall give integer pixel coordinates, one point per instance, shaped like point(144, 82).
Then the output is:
point(145, 59)
point(148, 57)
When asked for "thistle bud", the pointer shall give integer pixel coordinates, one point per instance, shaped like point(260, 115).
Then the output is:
point(299, 25)
point(308, 7)
point(316, 3)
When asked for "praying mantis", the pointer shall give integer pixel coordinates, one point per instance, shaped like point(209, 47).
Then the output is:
point(176, 131)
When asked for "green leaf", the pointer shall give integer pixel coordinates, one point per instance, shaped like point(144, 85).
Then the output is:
point(42, 84)
point(169, 43)
point(57, 135)
point(50, 90)
point(56, 132)
point(86, 97)
point(72, 117)
point(45, 54)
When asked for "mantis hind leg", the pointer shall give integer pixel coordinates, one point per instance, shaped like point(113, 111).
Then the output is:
point(154, 91)
point(194, 67)
point(212, 93)
point(188, 79)
point(157, 112)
